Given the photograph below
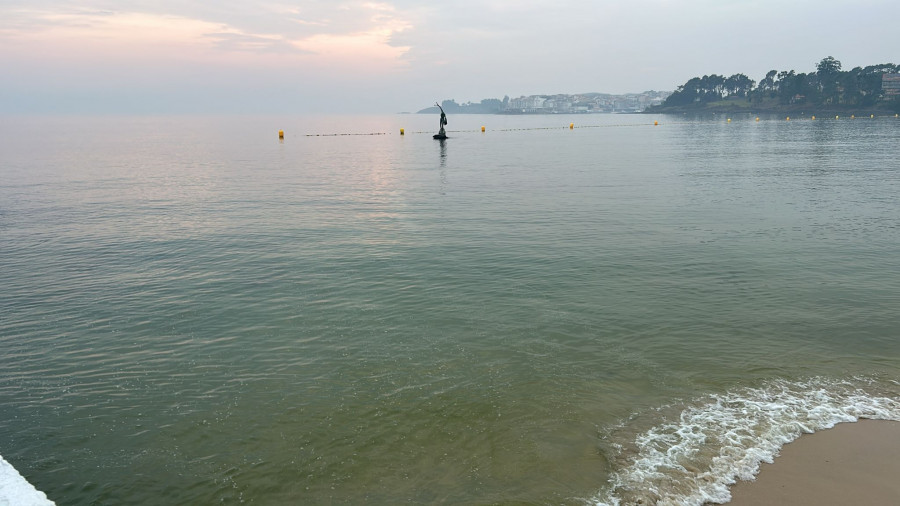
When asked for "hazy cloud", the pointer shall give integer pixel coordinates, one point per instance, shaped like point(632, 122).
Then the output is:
point(252, 43)
point(398, 54)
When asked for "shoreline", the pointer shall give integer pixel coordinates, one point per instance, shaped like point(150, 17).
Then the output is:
point(851, 463)
point(16, 490)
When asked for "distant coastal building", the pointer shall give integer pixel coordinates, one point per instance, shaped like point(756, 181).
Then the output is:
point(890, 84)
point(530, 104)
point(585, 103)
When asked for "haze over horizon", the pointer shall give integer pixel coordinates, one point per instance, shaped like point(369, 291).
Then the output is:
point(314, 56)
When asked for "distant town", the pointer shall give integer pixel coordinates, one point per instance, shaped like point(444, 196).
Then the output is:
point(585, 103)
point(871, 89)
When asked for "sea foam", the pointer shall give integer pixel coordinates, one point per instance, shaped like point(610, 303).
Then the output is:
point(692, 458)
point(16, 491)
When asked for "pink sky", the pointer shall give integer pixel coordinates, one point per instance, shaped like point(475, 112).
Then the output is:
point(402, 55)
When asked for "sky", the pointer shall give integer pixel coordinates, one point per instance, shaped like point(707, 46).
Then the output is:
point(357, 56)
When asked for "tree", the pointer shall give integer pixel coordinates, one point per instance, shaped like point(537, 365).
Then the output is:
point(848, 83)
point(712, 87)
point(739, 85)
point(827, 86)
point(686, 94)
point(787, 86)
point(490, 105)
point(869, 81)
point(828, 66)
point(450, 105)
point(768, 84)
point(828, 72)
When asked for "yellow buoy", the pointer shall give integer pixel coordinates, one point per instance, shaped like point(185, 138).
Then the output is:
point(814, 117)
point(482, 128)
point(757, 119)
point(852, 116)
point(872, 116)
point(837, 117)
point(788, 118)
point(729, 120)
point(571, 126)
point(402, 132)
point(281, 134)
point(656, 123)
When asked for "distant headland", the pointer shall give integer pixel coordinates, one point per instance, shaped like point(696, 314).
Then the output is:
point(874, 88)
point(583, 103)
point(828, 89)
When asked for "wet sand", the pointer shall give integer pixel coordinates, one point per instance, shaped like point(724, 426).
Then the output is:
point(852, 463)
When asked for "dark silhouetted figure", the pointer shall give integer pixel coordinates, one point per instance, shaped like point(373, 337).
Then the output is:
point(442, 134)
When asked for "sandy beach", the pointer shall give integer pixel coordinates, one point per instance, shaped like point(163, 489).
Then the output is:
point(852, 463)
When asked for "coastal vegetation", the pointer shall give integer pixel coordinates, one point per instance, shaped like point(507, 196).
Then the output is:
point(486, 106)
point(827, 89)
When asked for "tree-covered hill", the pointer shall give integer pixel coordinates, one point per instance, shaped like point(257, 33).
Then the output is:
point(486, 106)
point(827, 89)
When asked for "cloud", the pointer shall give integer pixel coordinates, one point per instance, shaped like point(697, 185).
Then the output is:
point(415, 52)
point(372, 44)
point(350, 33)
point(241, 42)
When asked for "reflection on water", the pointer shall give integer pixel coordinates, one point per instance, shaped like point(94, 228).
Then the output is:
point(327, 320)
point(443, 144)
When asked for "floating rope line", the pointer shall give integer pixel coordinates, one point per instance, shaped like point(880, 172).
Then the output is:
point(615, 125)
point(339, 135)
point(480, 131)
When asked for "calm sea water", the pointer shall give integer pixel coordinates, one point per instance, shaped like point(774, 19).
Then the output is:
point(193, 312)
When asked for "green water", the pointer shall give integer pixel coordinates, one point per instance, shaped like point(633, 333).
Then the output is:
point(195, 313)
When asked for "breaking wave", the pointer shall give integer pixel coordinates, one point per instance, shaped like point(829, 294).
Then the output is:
point(16, 491)
point(692, 457)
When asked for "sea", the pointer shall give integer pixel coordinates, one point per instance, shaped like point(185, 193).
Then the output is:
point(556, 310)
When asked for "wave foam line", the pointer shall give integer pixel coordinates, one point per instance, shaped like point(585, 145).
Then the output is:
point(16, 491)
point(722, 438)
